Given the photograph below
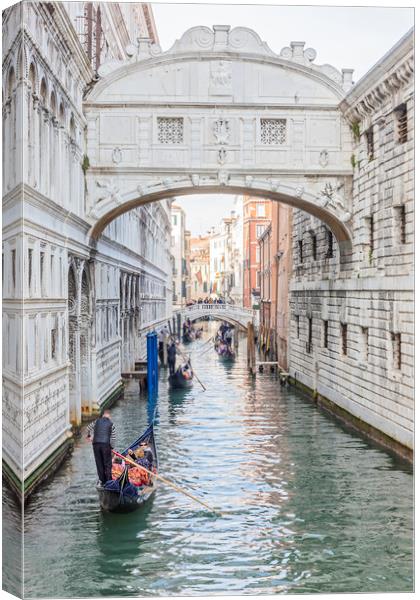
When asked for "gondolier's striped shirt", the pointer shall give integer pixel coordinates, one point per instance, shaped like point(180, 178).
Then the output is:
point(113, 438)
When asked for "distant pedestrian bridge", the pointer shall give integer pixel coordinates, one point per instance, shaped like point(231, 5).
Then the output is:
point(236, 315)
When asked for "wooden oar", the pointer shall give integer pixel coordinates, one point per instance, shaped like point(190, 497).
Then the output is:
point(173, 485)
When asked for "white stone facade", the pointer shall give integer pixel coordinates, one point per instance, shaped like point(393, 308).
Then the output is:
point(360, 354)
point(178, 256)
point(74, 314)
point(89, 166)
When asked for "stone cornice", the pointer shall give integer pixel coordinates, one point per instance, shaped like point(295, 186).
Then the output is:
point(392, 73)
point(123, 69)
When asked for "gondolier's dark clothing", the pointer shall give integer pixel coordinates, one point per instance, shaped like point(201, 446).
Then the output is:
point(103, 431)
point(172, 358)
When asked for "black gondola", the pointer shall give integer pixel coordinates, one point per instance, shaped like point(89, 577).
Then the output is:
point(119, 495)
point(227, 353)
point(178, 381)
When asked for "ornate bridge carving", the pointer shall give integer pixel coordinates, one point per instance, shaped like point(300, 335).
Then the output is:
point(220, 112)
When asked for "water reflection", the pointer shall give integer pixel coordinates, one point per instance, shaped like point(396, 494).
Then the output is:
point(309, 506)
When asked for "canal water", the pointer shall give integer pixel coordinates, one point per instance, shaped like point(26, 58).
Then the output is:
point(308, 506)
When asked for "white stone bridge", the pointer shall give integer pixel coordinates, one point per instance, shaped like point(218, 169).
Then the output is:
point(236, 315)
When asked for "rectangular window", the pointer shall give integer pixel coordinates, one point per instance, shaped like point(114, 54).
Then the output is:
point(396, 351)
point(309, 342)
point(258, 254)
point(343, 327)
point(330, 245)
point(260, 230)
point(13, 256)
point(400, 224)
point(300, 245)
point(260, 210)
point(52, 274)
point(297, 327)
point(364, 345)
point(370, 148)
point(273, 132)
point(314, 248)
point(174, 219)
point(42, 270)
point(53, 343)
point(325, 334)
point(401, 121)
point(30, 257)
point(170, 130)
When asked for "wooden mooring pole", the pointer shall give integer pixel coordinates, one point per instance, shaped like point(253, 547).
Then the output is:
point(251, 349)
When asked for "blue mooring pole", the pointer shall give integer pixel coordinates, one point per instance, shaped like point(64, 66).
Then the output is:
point(152, 364)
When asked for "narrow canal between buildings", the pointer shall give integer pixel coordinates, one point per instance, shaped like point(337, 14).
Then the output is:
point(309, 507)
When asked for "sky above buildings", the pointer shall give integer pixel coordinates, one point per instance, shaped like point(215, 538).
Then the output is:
point(345, 37)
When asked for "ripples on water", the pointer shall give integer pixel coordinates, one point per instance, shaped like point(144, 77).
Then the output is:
point(308, 506)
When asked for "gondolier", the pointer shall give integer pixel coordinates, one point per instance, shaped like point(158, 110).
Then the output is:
point(102, 432)
point(172, 358)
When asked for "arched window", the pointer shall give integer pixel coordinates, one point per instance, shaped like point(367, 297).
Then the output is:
point(62, 115)
point(32, 77)
point(43, 92)
point(53, 104)
point(11, 81)
point(72, 128)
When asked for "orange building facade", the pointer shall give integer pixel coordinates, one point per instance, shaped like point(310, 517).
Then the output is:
point(257, 217)
point(200, 267)
point(275, 269)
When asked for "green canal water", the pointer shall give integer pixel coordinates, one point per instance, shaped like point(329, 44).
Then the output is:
point(308, 506)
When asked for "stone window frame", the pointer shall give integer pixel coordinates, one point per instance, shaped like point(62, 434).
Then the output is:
point(370, 143)
point(260, 134)
point(159, 120)
point(400, 224)
point(364, 346)
point(396, 361)
point(401, 123)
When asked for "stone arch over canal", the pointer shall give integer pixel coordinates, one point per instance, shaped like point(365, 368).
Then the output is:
point(220, 112)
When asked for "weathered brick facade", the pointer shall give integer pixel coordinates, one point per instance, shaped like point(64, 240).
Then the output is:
point(359, 354)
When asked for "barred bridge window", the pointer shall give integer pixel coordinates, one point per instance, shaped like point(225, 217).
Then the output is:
point(402, 125)
point(273, 132)
point(170, 130)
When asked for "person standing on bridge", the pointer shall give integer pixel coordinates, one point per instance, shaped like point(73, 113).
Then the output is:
point(103, 433)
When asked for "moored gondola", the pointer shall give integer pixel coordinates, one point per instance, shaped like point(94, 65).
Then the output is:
point(131, 487)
